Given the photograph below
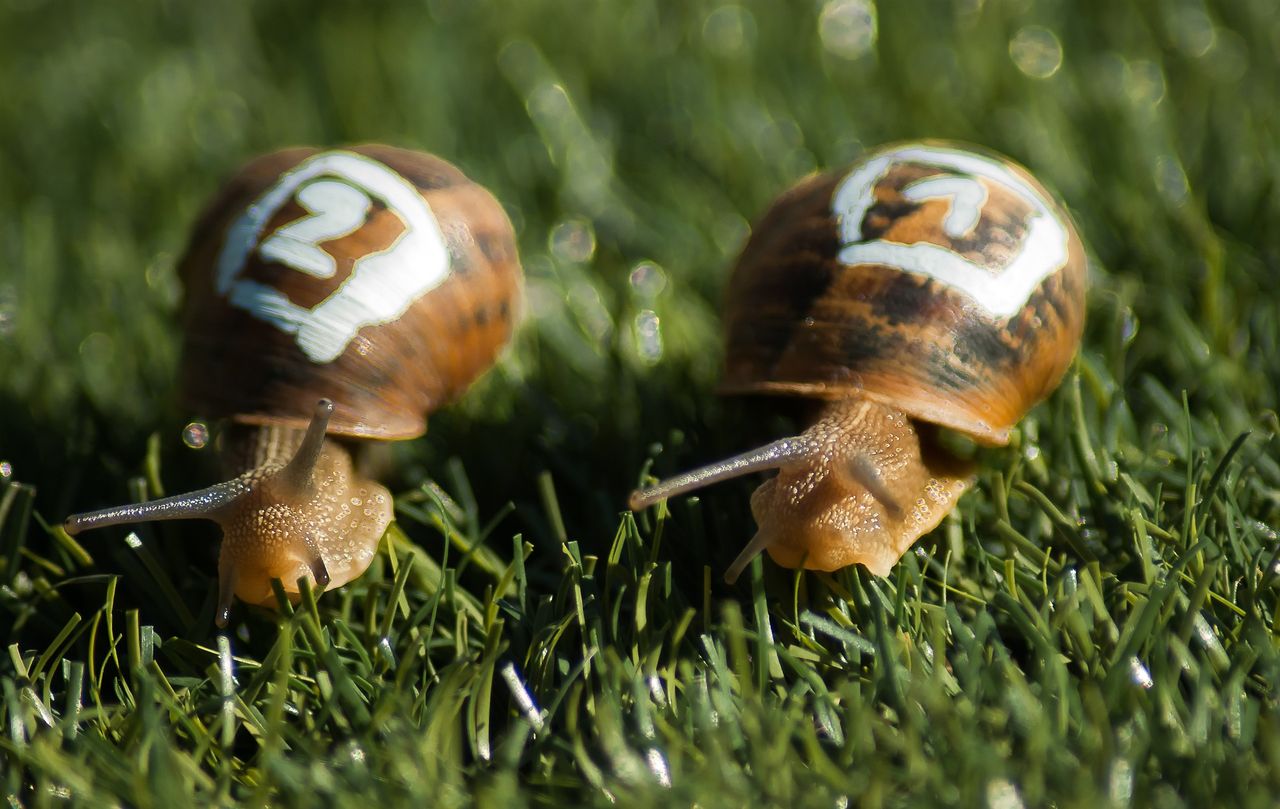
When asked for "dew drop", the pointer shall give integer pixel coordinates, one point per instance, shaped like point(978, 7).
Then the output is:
point(1128, 326)
point(6, 470)
point(1140, 674)
point(195, 435)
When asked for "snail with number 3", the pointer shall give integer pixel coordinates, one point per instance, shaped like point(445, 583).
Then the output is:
point(927, 286)
point(329, 296)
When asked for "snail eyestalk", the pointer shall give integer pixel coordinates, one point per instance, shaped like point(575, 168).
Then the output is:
point(202, 504)
point(761, 459)
point(299, 471)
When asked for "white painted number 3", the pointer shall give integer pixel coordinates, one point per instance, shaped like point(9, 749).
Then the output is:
point(1000, 291)
point(337, 190)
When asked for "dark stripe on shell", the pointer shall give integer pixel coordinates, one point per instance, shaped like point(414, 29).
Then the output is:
point(864, 342)
point(496, 248)
point(904, 299)
point(982, 344)
point(944, 372)
point(883, 214)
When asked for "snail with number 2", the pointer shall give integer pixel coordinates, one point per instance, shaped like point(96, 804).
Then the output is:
point(927, 286)
point(330, 296)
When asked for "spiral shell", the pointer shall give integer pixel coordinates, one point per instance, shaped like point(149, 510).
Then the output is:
point(380, 278)
point(927, 276)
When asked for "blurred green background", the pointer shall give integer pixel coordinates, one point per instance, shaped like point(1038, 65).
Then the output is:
point(632, 144)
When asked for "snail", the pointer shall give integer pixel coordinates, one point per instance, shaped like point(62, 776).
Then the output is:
point(926, 286)
point(329, 296)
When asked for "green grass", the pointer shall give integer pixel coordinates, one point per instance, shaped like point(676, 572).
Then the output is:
point(1096, 625)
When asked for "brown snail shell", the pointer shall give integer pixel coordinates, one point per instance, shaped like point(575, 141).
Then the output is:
point(289, 337)
point(926, 284)
point(342, 293)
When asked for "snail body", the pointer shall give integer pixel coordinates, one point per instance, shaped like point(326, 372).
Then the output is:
point(330, 296)
point(926, 286)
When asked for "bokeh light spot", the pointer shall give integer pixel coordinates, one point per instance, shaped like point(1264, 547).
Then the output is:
point(1036, 51)
point(729, 30)
point(8, 310)
point(648, 334)
point(848, 28)
point(1191, 30)
point(573, 240)
point(648, 280)
point(1171, 179)
point(1144, 82)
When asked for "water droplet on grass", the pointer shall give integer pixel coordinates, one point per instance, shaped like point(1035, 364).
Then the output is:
point(195, 435)
point(1128, 326)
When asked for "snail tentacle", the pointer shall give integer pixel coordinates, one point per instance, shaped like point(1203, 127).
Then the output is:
point(319, 570)
point(202, 504)
point(758, 545)
point(300, 469)
point(863, 471)
point(227, 579)
point(770, 456)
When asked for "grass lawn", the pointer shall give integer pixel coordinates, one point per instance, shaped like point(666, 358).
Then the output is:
point(1096, 625)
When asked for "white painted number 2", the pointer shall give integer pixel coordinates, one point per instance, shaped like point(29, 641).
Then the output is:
point(1002, 293)
point(336, 209)
point(337, 189)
